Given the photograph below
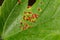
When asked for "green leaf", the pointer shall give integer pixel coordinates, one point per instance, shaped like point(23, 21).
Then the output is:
point(46, 27)
point(13, 20)
point(6, 8)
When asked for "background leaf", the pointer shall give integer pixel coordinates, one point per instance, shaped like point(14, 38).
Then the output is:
point(0, 21)
point(46, 27)
point(0, 10)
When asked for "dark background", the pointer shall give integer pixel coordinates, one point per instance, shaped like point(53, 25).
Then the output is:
point(30, 2)
point(1, 1)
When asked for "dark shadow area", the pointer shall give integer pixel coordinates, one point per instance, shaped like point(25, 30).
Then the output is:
point(31, 2)
point(1, 1)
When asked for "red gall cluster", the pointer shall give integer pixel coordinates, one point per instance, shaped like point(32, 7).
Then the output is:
point(26, 26)
point(29, 16)
point(19, 1)
point(29, 7)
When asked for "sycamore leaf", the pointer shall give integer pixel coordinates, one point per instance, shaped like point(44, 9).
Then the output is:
point(46, 26)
